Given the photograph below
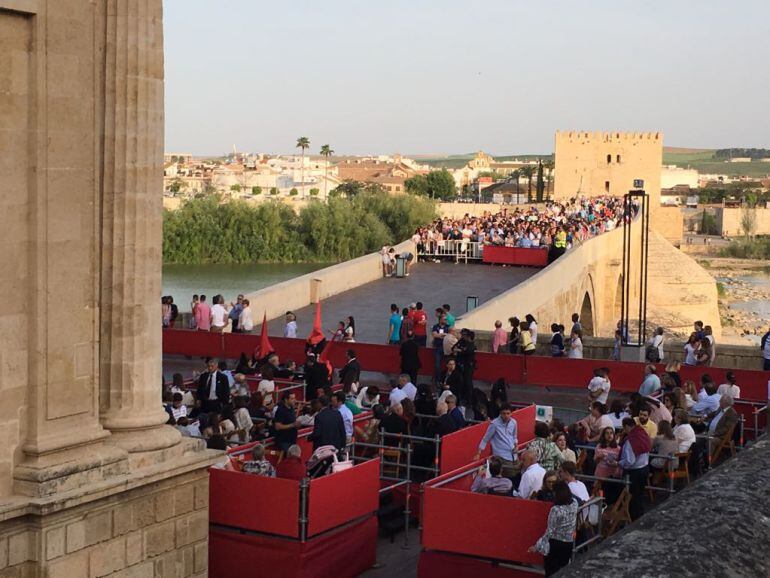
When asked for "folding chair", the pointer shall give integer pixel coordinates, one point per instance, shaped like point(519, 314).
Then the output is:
point(618, 514)
point(725, 444)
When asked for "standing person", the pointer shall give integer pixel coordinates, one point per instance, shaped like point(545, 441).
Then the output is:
point(350, 374)
point(235, 313)
point(285, 422)
point(576, 323)
point(532, 327)
point(499, 338)
point(420, 325)
point(290, 328)
point(599, 386)
point(513, 336)
point(576, 346)
point(406, 324)
point(338, 403)
point(501, 435)
point(557, 341)
point(691, 350)
point(328, 427)
point(213, 389)
point(203, 315)
point(764, 345)
point(410, 356)
point(193, 306)
point(174, 311)
point(450, 319)
point(394, 326)
point(465, 353)
point(654, 350)
point(634, 459)
point(349, 334)
point(165, 310)
point(245, 319)
point(219, 317)
point(385, 258)
point(525, 339)
point(438, 332)
point(557, 542)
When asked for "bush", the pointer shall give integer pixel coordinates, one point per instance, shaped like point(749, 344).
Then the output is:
point(293, 192)
point(274, 190)
point(208, 231)
point(256, 191)
point(235, 188)
point(756, 248)
point(314, 192)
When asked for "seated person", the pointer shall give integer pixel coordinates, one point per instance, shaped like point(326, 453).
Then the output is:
point(592, 426)
point(545, 494)
point(177, 408)
point(368, 397)
point(292, 467)
point(393, 423)
point(454, 412)
point(494, 483)
point(708, 398)
point(643, 420)
point(240, 387)
point(309, 411)
point(547, 453)
point(258, 464)
point(444, 424)
point(532, 475)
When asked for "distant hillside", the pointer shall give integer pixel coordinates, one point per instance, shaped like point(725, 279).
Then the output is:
point(706, 161)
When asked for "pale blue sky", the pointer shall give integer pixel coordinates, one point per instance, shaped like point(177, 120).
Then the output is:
point(446, 76)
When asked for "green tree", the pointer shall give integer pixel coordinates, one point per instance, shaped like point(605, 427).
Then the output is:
point(303, 143)
point(326, 152)
point(314, 192)
point(348, 189)
point(256, 191)
point(540, 187)
point(209, 190)
point(273, 190)
point(527, 172)
point(549, 166)
point(516, 177)
point(436, 185)
point(293, 192)
point(177, 185)
point(235, 188)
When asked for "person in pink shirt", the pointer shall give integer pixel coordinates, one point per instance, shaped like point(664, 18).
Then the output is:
point(499, 338)
point(203, 315)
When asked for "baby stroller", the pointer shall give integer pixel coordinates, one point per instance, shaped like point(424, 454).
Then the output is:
point(326, 460)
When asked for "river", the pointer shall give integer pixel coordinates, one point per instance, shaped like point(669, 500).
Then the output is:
point(182, 281)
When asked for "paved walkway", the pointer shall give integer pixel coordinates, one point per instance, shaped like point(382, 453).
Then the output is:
point(432, 283)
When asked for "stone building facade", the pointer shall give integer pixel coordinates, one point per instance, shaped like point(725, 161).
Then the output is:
point(91, 480)
point(600, 163)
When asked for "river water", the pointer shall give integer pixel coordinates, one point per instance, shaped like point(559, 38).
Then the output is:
point(182, 281)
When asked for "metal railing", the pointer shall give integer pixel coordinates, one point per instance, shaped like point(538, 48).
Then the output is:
point(450, 249)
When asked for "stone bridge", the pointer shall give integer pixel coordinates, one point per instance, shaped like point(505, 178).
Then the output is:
point(588, 280)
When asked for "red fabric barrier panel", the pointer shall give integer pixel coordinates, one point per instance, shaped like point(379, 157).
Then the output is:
point(344, 552)
point(525, 423)
point(441, 565)
point(515, 256)
point(252, 502)
point(492, 366)
point(500, 528)
point(460, 447)
point(192, 343)
point(339, 498)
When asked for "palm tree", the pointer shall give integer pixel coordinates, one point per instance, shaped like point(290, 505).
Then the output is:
point(303, 143)
point(528, 171)
point(516, 175)
point(326, 152)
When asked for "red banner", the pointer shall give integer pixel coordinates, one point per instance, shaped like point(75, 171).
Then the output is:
point(534, 257)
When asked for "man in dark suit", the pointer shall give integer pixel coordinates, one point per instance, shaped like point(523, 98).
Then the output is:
point(316, 377)
point(328, 427)
point(452, 378)
point(410, 356)
point(213, 389)
point(351, 372)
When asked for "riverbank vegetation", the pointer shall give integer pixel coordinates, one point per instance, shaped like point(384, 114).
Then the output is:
point(206, 230)
point(748, 248)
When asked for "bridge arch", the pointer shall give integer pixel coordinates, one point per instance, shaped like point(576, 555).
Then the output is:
point(586, 307)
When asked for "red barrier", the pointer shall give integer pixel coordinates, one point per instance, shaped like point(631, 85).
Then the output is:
point(440, 565)
point(525, 423)
point(344, 552)
point(460, 447)
point(256, 503)
point(535, 370)
point(515, 256)
point(500, 528)
point(344, 496)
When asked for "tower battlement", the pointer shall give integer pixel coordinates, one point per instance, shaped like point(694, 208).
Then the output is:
point(608, 136)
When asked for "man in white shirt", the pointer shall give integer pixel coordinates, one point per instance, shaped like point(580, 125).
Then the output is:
point(219, 316)
point(599, 386)
point(531, 477)
point(338, 402)
point(369, 396)
point(245, 320)
point(407, 386)
point(396, 396)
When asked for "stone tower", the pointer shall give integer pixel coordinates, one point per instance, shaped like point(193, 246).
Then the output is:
point(91, 480)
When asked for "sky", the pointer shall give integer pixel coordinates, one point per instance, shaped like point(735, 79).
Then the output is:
point(450, 77)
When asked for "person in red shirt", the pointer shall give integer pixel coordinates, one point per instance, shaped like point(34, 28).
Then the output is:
point(420, 325)
point(292, 467)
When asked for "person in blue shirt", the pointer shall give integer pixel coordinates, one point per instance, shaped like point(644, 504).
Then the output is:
point(394, 325)
point(708, 398)
point(450, 319)
point(501, 436)
point(651, 382)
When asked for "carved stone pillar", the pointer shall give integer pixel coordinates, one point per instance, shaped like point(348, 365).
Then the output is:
point(131, 243)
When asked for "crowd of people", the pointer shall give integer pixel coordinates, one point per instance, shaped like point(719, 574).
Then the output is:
point(557, 227)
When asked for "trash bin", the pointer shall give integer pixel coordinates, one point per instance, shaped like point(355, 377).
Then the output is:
point(400, 266)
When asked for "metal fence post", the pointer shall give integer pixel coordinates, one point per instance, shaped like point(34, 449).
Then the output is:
point(407, 510)
point(303, 497)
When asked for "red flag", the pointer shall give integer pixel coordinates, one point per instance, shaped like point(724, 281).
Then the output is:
point(317, 335)
point(324, 358)
point(264, 342)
